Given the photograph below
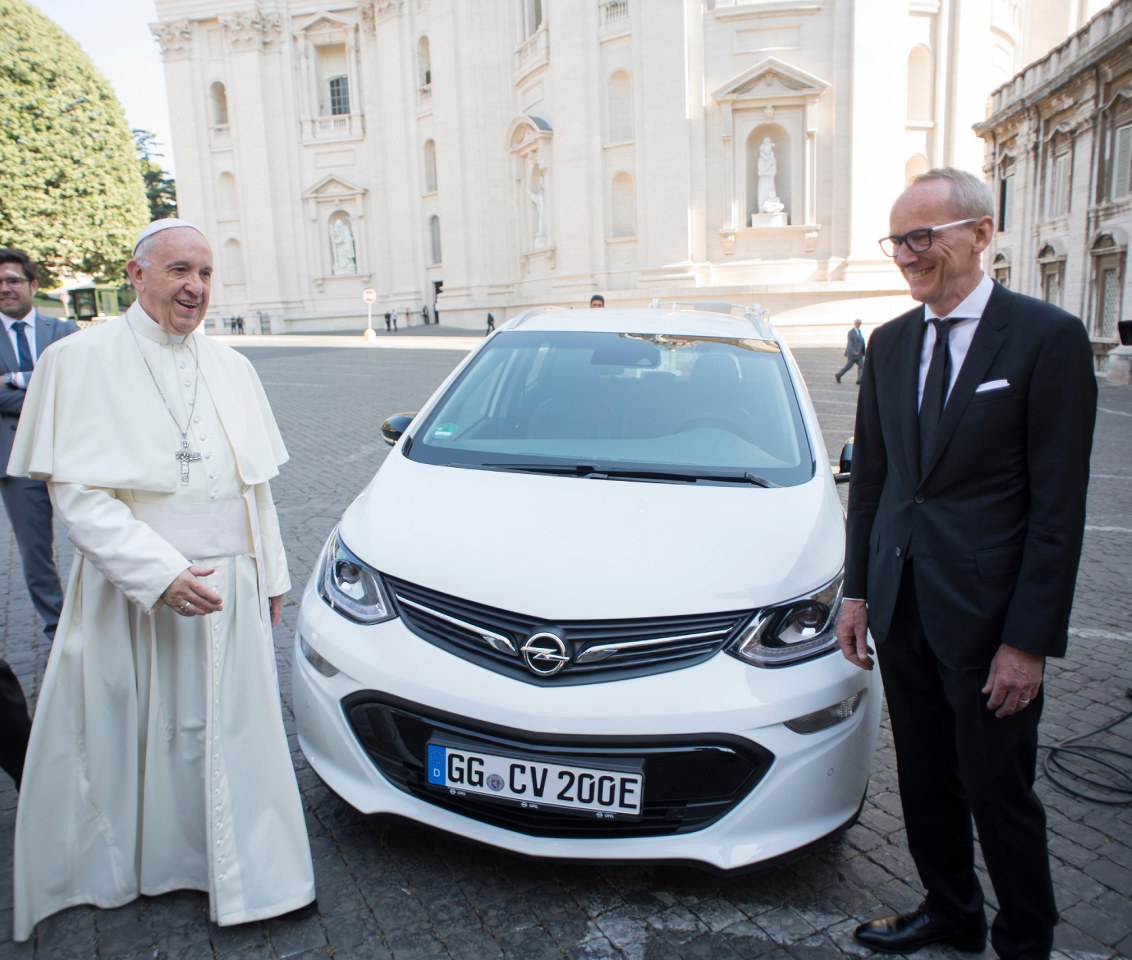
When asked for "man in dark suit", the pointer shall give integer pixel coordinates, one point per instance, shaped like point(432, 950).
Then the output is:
point(854, 352)
point(26, 501)
point(966, 516)
point(26, 334)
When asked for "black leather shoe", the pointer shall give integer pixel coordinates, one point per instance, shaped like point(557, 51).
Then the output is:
point(909, 931)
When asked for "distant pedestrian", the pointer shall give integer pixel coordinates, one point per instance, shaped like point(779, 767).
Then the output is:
point(490, 322)
point(240, 325)
point(424, 314)
point(388, 322)
point(597, 300)
point(854, 352)
point(393, 315)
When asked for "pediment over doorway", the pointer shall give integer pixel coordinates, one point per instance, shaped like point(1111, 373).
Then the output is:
point(771, 79)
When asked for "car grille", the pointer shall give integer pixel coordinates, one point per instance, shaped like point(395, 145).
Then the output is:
point(593, 650)
point(690, 782)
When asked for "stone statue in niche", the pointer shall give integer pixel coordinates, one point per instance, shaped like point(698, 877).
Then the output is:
point(345, 259)
point(537, 193)
point(768, 201)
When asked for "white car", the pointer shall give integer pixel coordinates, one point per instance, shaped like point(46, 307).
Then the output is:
point(586, 607)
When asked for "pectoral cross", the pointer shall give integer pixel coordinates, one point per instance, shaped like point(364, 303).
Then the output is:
point(185, 456)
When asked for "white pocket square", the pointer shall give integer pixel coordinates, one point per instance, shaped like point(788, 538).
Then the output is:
point(992, 385)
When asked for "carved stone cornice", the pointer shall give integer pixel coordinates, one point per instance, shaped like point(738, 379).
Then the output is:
point(251, 29)
point(367, 18)
point(384, 9)
point(174, 37)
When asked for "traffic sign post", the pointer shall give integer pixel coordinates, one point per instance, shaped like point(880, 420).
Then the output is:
point(369, 296)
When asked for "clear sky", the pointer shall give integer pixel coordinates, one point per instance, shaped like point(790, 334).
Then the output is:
point(115, 34)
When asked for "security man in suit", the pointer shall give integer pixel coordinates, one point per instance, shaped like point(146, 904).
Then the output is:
point(26, 334)
point(965, 521)
point(26, 501)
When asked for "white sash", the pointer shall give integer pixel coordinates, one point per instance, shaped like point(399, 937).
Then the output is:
point(199, 530)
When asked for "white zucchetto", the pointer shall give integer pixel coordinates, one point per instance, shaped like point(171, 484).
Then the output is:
point(158, 225)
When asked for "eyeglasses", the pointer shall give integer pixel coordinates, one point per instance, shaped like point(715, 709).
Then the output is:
point(917, 240)
point(13, 281)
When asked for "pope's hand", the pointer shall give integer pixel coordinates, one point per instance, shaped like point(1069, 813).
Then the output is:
point(190, 597)
point(275, 608)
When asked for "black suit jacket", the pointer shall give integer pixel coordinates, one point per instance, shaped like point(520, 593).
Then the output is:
point(995, 524)
point(47, 331)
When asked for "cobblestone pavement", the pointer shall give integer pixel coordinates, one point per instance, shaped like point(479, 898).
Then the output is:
point(391, 889)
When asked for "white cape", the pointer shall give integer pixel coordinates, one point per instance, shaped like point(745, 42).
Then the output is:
point(158, 759)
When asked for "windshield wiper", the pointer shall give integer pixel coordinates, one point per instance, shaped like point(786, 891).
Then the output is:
point(595, 472)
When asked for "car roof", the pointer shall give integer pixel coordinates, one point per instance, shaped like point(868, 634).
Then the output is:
point(667, 318)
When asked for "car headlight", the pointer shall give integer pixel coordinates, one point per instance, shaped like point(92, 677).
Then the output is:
point(351, 587)
point(791, 632)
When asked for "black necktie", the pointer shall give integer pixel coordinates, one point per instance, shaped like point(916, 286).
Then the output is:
point(935, 388)
point(23, 351)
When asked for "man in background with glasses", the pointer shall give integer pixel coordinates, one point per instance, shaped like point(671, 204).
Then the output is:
point(965, 521)
point(26, 333)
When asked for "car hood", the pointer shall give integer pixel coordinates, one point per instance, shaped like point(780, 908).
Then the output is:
point(585, 548)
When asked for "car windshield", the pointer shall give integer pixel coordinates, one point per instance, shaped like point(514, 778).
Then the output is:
point(638, 406)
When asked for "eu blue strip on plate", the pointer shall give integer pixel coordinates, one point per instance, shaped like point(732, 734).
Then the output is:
point(437, 759)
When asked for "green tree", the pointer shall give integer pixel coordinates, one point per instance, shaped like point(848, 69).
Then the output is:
point(160, 188)
point(72, 196)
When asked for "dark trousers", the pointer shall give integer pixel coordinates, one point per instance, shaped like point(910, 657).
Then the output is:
point(28, 506)
point(857, 362)
point(15, 724)
point(957, 761)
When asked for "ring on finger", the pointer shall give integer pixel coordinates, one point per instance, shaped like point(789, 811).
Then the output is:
point(185, 606)
point(1023, 702)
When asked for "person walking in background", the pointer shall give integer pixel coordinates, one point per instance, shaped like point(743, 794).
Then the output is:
point(854, 352)
point(393, 317)
point(597, 300)
point(27, 334)
point(490, 322)
point(158, 759)
point(964, 531)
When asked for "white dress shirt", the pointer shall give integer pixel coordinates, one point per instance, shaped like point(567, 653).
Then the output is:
point(967, 316)
point(29, 333)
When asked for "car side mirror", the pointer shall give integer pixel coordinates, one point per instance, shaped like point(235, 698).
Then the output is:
point(394, 426)
point(845, 466)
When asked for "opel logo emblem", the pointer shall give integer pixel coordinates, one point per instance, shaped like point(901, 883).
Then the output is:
point(545, 654)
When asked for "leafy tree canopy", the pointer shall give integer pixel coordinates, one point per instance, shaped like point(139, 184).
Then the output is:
point(73, 196)
point(160, 188)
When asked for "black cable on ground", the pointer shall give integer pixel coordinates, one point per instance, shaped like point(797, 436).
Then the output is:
point(1089, 764)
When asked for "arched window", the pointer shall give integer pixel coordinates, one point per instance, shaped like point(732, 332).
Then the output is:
point(920, 92)
point(233, 264)
point(218, 104)
point(227, 205)
point(334, 83)
point(1000, 269)
point(623, 204)
point(424, 63)
point(620, 105)
point(434, 238)
point(1108, 280)
point(430, 166)
point(532, 17)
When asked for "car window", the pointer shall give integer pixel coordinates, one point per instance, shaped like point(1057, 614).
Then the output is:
point(694, 406)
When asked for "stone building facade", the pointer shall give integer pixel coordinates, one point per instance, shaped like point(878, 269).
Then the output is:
point(1059, 157)
point(466, 155)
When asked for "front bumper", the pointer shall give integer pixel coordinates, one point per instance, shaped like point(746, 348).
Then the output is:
point(730, 785)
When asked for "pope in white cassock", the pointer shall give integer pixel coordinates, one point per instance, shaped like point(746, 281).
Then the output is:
point(158, 759)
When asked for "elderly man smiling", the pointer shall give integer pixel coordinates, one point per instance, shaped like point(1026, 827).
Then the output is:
point(158, 759)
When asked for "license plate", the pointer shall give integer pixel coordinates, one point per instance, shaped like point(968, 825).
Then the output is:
point(590, 791)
